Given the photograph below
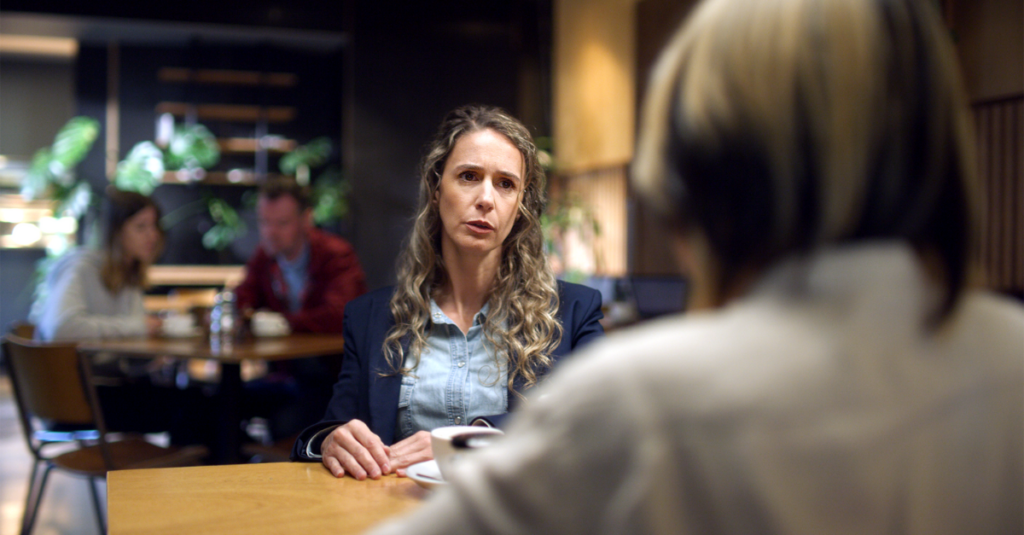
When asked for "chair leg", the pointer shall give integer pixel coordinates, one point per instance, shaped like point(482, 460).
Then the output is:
point(30, 496)
point(93, 487)
point(36, 487)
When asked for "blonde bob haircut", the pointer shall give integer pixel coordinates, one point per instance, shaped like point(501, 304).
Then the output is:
point(777, 127)
point(521, 325)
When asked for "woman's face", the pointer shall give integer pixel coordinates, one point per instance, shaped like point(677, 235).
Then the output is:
point(140, 236)
point(479, 194)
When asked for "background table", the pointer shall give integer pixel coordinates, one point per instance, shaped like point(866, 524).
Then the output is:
point(230, 353)
point(251, 499)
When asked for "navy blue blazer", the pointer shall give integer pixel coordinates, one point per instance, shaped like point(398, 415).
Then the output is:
point(362, 393)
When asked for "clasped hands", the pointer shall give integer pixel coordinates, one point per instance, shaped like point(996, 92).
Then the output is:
point(355, 450)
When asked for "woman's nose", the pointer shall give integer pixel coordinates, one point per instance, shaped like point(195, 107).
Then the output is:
point(485, 200)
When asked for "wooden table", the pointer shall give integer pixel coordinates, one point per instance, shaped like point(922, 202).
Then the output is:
point(293, 346)
point(230, 353)
point(251, 499)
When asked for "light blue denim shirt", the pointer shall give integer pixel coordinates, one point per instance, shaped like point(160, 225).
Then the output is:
point(456, 380)
point(295, 276)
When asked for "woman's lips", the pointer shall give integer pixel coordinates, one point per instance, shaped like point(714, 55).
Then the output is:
point(481, 227)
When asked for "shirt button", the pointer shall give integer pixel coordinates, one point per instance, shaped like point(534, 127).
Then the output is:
point(458, 419)
point(462, 363)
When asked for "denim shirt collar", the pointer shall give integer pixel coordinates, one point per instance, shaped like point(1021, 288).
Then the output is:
point(440, 318)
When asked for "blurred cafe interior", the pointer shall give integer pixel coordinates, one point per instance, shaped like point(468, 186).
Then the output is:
point(342, 95)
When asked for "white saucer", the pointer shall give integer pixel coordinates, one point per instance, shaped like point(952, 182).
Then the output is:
point(271, 333)
point(194, 331)
point(426, 474)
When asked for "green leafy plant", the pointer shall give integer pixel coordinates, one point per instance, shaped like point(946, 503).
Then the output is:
point(330, 197)
point(564, 215)
point(191, 147)
point(310, 155)
point(330, 188)
point(228, 226)
point(52, 171)
point(142, 170)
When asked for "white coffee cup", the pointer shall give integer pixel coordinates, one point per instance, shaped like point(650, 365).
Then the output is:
point(449, 443)
point(178, 325)
point(266, 323)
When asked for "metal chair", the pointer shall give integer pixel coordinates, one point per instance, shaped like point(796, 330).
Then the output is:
point(53, 384)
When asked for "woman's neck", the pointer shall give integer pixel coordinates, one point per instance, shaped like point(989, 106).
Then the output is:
point(469, 284)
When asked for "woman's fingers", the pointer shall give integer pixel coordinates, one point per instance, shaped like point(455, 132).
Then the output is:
point(356, 450)
point(354, 467)
point(334, 466)
point(412, 450)
point(372, 444)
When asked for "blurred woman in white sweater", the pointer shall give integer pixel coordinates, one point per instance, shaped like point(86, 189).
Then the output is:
point(97, 293)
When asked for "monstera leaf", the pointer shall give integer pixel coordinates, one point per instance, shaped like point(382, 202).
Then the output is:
point(38, 178)
point(142, 170)
point(72, 143)
point(53, 167)
point(227, 227)
point(75, 201)
point(330, 197)
point(192, 146)
point(312, 154)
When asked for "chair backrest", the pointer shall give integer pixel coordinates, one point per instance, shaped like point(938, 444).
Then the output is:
point(47, 380)
point(23, 329)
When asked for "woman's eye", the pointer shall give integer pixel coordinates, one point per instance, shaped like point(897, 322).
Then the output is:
point(467, 175)
point(507, 184)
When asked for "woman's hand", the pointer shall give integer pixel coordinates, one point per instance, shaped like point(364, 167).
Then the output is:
point(355, 450)
point(410, 451)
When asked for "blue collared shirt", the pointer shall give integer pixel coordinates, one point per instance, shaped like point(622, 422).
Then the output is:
point(295, 276)
point(457, 378)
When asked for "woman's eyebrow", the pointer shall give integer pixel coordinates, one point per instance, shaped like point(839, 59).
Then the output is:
point(477, 167)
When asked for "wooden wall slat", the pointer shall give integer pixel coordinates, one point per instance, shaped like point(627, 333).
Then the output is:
point(604, 191)
point(1000, 149)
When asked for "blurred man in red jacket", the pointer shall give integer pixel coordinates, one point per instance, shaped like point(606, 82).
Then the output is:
point(308, 276)
point(301, 272)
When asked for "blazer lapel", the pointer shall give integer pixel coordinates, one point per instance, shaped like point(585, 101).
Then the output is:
point(384, 390)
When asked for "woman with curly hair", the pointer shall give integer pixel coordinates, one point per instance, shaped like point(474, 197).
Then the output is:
point(477, 316)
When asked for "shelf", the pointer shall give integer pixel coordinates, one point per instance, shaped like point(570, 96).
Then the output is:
point(235, 177)
point(249, 145)
point(229, 112)
point(177, 275)
point(226, 77)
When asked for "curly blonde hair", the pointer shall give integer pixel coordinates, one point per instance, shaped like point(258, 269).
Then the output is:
point(521, 325)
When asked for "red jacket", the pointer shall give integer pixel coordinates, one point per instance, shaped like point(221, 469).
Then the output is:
point(335, 278)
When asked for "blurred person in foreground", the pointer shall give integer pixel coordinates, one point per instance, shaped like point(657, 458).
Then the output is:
point(308, 276)
point(477, 317)
point(812, 161)
point(97, 293)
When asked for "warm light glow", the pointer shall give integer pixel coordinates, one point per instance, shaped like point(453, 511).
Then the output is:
point(11, 215)
point(48, 225)
point(63, 225)
point(62, 47)
point(25, 234)
point(67, 225)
